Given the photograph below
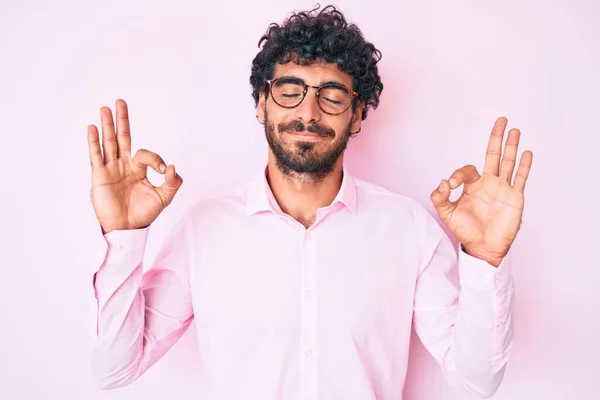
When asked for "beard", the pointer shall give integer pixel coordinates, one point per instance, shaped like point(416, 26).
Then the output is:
point(305, 160)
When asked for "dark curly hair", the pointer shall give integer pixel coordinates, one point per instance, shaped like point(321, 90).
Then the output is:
point(306, 37)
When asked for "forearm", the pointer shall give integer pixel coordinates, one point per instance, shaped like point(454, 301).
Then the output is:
point(139, 316)
point(483, 329)
point(119, 315)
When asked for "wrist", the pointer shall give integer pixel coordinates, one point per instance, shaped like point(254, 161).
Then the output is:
point(493, 259)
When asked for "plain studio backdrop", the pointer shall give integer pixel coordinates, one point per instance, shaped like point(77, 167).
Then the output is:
point(449, 70)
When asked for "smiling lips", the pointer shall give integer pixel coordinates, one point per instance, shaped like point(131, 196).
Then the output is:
point(305, 134)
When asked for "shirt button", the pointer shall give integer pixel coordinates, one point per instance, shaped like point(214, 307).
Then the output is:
point(118, 247)
point(308, 294)
point(308, 352)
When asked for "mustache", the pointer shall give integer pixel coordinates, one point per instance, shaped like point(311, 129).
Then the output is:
point(299, 126)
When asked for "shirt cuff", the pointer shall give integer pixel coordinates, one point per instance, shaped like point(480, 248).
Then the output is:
point(122, 247)
point(126, 246)
point(480, 275)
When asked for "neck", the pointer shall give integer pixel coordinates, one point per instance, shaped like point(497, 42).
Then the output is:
point(300, 195)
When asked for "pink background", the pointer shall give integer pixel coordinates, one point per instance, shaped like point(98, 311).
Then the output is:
point(449, 69)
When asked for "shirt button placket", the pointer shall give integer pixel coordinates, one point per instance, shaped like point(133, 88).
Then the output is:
point(308, 325)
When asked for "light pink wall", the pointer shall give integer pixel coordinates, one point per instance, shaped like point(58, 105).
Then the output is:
point(449, 69)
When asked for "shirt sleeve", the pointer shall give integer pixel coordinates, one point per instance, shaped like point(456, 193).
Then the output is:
point(462, 311)
point(137, 316)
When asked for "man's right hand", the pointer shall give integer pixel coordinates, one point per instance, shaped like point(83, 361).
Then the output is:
point(122, 196)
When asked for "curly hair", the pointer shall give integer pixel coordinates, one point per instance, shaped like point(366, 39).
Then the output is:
point(306, 37)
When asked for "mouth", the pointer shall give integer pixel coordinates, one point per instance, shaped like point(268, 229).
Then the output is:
point(305, 134)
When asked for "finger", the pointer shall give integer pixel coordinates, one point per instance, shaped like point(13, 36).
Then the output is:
point(123, 132)
point(109, 140)
point(169, 188)
point(465, 175)
point(440, 198)
point(492, 155)
point(523, 170)
point(144, 158)
point(509, 155)
point(94, 147)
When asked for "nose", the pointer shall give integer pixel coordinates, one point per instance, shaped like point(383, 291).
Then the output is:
point(309, 111)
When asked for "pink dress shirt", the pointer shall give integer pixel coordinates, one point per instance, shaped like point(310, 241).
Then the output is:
point(288, 313)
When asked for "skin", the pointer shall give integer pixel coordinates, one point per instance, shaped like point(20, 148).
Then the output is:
point(488, 214)
point(485, 218)
point(301, 194)
point(121, 194)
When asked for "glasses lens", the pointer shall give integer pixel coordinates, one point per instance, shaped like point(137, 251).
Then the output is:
point(287, 93)
point(334, 99)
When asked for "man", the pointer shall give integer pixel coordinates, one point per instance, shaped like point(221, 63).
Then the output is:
point(305, 284)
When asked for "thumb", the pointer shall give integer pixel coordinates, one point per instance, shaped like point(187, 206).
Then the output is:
point(440, 198)
point(169, 188)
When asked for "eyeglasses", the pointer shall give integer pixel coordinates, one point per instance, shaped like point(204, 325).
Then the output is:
point(332, 98)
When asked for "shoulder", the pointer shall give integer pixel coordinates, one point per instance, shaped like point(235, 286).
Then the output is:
point(375, 198)
point(231, 202)
point(387, 207)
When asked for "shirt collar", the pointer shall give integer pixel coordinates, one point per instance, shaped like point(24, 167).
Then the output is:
point(260, 197)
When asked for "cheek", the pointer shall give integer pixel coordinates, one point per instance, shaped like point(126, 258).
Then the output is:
point(341, 127)
point(277, 115)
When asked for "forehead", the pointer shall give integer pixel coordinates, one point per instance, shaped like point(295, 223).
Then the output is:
point(314, 74)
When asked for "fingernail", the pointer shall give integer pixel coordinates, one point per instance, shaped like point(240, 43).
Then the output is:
point(441, 187)
point(163, 167)
point(452, 182)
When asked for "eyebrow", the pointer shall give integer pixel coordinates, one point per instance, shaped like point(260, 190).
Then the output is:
point(296, 78)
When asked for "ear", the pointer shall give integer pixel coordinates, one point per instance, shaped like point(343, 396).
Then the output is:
point(260, 106)
point(357, 118)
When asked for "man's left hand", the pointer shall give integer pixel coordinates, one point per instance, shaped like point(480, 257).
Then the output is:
point(487, 216)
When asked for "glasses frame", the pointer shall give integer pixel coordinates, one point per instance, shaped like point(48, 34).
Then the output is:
point(271, 82)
